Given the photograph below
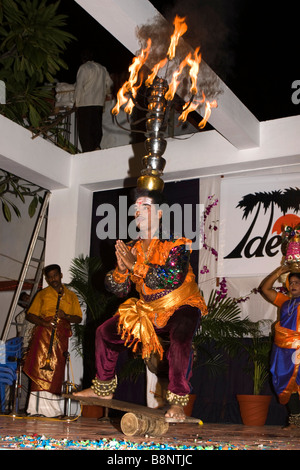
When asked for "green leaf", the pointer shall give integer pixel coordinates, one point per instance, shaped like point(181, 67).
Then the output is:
point(17, 191)
point(32, 206)
point(34, 116)
point(6, 211)
point(15, 208)
point(3, 188)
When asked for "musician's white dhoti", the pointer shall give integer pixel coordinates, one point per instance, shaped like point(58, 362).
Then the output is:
point(46, 404)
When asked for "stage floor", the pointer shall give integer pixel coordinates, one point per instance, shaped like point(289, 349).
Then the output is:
point(23, 433)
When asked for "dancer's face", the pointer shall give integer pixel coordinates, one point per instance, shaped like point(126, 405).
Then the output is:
point(294, 286)
point(146, 215)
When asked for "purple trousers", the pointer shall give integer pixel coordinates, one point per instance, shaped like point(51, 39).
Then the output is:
point(179, 330)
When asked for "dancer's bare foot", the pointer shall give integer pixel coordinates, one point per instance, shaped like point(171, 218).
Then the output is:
point(89, 393)
point(175, 413)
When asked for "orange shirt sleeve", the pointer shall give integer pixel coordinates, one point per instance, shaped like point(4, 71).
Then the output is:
point(280, 299)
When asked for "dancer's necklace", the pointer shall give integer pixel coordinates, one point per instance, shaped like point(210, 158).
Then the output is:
point(291, 306)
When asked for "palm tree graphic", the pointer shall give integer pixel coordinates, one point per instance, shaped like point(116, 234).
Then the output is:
point(286, 200)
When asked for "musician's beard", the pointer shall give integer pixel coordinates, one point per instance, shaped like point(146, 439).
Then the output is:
point(56, 285)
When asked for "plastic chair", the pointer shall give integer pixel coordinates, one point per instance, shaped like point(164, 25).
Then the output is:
point(2, 352)
point(13, 352)
point(9, 370)
point(7, 377)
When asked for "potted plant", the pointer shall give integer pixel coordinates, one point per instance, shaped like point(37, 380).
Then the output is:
point(254, 408)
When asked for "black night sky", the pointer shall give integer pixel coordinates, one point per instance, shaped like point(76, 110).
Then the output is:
point(253, 48)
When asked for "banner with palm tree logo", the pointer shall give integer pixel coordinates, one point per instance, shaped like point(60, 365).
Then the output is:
point(253, 212)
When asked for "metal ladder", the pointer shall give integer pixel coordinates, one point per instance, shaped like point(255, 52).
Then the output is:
point(39, 234)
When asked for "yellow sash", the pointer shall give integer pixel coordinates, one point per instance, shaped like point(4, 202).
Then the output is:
point(138, 318)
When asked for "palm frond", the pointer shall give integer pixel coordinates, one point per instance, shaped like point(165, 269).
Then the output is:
point(132, 369)
point(83, 271)
point(258, 349)
point(223, 324)
point(215, 363)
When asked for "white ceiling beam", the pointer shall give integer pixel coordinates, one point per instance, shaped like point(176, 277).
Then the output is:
point(122, 18)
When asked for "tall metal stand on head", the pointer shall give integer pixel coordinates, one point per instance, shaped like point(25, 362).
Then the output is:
point(155, 144)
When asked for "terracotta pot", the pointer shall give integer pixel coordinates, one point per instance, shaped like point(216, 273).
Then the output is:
point(254, 409)
point(92, 411)
point(188, 409)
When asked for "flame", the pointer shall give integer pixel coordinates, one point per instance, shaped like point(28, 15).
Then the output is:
point(174, 82)
point(128, 86)
point(208, 106)
point(194, 69)
point(190, 107)
point(129, 107)
point(121, 98)
point(180, 29)
point(155, 69)
point(137, 64)
point(128, 91)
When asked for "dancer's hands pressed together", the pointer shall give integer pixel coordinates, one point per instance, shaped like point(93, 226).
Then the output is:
point(125, 257)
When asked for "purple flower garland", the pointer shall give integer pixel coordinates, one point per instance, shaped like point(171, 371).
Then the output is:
point(214, 202)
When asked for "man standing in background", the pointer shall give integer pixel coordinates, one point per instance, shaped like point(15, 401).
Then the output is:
point(93, 84)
